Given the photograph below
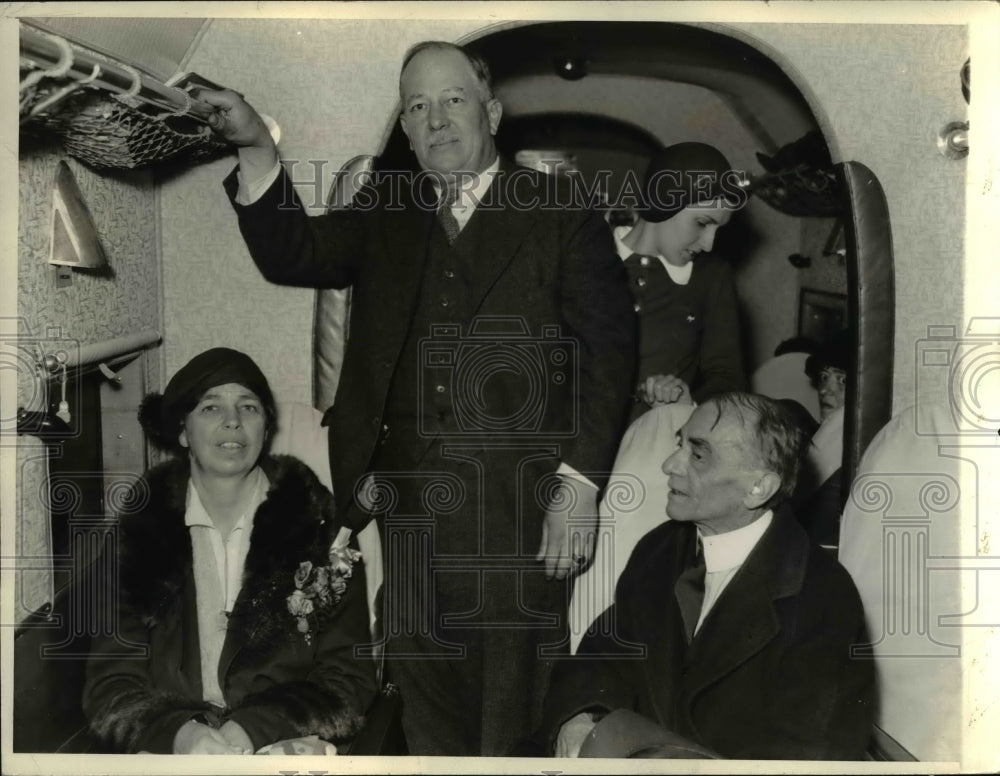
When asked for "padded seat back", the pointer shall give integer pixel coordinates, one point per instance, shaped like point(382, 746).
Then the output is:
point(900, 539)
point(784, 377)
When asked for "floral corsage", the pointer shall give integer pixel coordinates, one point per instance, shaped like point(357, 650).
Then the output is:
point(318, 589)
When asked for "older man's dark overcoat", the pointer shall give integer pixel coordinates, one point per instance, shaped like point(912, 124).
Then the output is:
point(769, 675)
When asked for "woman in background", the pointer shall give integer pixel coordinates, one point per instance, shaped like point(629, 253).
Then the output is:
point(240, 603)
point(819, 497)
point(685, 298)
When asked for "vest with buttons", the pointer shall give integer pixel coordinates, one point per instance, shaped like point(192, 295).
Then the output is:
point(419, 403)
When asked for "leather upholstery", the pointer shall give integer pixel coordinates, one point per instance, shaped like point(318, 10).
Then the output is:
point(871, 309)
point(331, 317)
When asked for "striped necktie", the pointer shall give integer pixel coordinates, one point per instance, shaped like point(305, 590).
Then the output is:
point(449, 196)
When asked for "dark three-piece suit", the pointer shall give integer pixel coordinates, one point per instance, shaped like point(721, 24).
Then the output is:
point(472, 371)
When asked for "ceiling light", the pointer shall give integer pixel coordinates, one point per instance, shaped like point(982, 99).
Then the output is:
point(571, 68)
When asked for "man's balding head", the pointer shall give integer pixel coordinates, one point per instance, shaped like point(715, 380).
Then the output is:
point(448, 112)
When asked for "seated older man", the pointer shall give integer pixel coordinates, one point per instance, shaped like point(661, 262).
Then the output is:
point(730, 630)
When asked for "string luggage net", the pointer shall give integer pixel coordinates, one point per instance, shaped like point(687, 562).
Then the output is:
point(102, 126)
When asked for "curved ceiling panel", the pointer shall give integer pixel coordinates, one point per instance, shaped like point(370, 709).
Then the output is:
point(755, 89)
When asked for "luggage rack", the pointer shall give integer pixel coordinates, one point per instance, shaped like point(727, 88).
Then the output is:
point(108, 114)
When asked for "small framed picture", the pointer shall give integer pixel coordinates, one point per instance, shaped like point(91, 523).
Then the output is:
point(821, 314)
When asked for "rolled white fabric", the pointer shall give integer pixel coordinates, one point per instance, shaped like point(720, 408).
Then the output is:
point(634, 503)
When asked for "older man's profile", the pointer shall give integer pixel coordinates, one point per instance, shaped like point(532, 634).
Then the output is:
point(747, 626)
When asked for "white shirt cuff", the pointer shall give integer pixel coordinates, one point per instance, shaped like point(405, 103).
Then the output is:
point(568, 471)
point(249, 193)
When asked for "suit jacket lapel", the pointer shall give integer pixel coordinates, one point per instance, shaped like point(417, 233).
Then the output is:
point(664, 628)
point(502, 226)
point(406, 234)
point(744, 619)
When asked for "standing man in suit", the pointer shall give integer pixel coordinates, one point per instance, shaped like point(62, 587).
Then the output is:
point(482, 394)
point(746, 627)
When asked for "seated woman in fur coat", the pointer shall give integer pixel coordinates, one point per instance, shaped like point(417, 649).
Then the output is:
point(239, 601)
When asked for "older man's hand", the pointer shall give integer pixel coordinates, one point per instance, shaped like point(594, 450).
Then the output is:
point(569, 529)
point(237, 122)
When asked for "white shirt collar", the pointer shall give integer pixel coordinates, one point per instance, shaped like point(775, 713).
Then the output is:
point(196, 514)
point(470, 196)
point(680, 275)
point(729, 550)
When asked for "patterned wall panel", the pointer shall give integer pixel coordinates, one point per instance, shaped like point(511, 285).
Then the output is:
point(94, 307)
point(825, 273)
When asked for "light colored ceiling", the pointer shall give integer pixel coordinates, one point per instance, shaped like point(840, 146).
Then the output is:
point(674, 82)
point(642, 56)
point(158, 46)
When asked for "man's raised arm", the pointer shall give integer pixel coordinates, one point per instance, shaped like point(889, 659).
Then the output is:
point(236, 121)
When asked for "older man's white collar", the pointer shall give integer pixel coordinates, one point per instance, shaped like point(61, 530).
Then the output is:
point(729, 550)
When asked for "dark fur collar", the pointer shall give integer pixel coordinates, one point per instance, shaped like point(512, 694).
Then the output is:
point(294, 523)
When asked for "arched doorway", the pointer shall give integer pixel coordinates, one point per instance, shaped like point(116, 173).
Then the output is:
point(613, 90)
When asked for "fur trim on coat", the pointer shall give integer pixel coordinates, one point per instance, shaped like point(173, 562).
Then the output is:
point(294, 523)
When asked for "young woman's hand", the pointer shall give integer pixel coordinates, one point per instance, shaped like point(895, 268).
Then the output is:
point(664, 389)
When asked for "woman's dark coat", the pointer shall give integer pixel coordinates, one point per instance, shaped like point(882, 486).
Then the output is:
point(144, 680)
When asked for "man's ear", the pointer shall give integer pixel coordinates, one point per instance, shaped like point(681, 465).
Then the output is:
point(402, 124)
point(183, 439)
point(761, 490)
point(494, 110)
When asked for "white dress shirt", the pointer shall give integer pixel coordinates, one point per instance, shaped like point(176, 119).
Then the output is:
point(469, 197)
point(724, 555)
point(230, 553)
